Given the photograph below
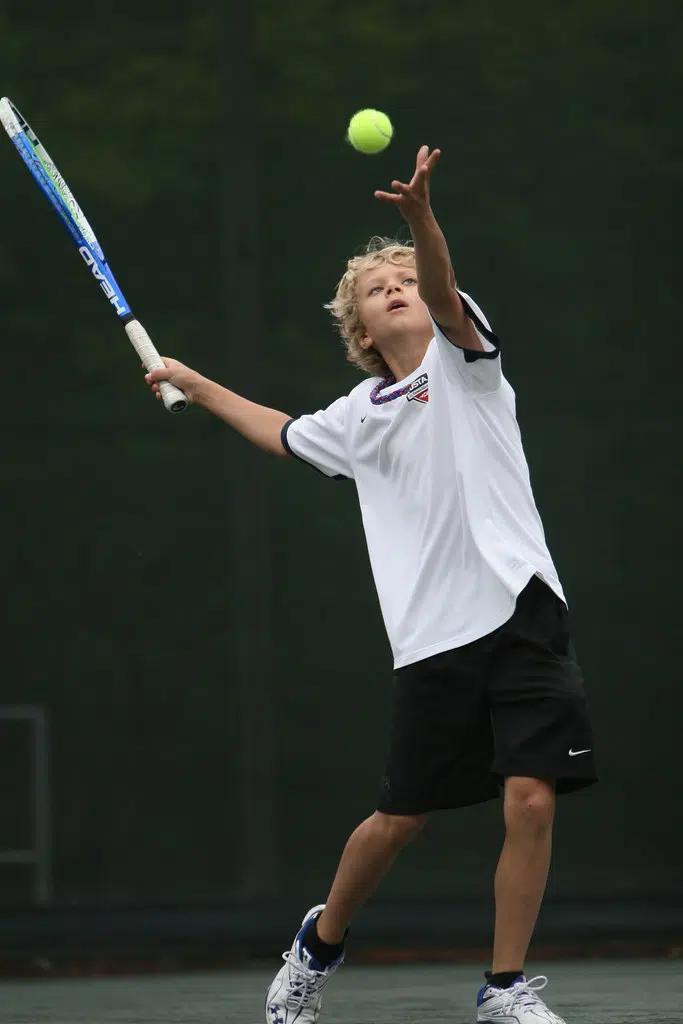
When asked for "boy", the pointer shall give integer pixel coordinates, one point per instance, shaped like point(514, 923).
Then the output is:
point(487, 694)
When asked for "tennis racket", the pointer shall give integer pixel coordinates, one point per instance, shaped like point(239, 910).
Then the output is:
point(58, 194)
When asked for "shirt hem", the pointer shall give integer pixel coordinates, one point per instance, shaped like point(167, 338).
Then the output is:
point(494, 623)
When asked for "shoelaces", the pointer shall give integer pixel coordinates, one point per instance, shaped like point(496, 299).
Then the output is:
point(523, 993)
point(306, 982)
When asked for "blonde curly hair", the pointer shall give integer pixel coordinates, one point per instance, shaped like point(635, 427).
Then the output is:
point(344, 306)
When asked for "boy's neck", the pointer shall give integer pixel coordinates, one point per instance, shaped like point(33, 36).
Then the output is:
point(405, 357)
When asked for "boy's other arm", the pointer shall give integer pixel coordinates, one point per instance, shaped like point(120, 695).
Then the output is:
point(258, 423)
point(439, 292)
point(435, 277)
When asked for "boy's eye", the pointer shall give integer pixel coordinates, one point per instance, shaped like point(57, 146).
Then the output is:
point(378, 287)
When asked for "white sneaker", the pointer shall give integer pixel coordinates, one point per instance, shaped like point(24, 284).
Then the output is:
point(519, 1004)
point(296, 992)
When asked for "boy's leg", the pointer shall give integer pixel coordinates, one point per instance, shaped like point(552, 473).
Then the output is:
point(544, 748)
point(542, 732)
point(295, 995)
point(440, 750)
point(368, 854)
point(522, 873)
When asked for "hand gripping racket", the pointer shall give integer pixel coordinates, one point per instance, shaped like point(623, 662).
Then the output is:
point(57, 192)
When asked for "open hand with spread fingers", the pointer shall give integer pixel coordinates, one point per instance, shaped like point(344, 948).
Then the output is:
point(412, 200)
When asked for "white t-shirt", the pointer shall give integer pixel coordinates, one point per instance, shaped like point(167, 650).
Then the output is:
point(450, 521)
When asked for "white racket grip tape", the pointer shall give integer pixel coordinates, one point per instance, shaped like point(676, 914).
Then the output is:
point(173, 397)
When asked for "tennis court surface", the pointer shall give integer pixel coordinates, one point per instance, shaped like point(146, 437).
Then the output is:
point(605, 992)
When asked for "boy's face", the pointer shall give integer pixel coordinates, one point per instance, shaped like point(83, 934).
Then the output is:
point(389, 305)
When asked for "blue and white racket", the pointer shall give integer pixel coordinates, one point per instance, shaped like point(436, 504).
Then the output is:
point(57, 192)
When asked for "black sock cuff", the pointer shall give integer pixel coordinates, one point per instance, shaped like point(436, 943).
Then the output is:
point(323, 952)
point(503, 979)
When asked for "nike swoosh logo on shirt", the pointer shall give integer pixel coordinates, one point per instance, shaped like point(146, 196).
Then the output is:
point(574, 753)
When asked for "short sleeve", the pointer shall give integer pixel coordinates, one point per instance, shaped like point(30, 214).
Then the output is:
point(479, 370)
point(320, 439)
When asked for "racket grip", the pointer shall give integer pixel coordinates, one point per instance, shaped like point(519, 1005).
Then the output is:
point(173, 398)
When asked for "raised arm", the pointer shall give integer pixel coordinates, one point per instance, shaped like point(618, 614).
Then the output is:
point(435, 277)
point(258, 423)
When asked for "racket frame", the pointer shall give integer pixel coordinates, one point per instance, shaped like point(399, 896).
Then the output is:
point(55, 189)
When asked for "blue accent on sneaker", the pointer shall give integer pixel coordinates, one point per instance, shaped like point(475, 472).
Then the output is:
point(481, 995)
point(310, 960)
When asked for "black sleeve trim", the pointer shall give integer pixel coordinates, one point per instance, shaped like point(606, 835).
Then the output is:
point(472, 354)
point(287, 447)
point(283, 438)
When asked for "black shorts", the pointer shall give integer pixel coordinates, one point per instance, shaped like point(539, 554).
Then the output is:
point(510, 703)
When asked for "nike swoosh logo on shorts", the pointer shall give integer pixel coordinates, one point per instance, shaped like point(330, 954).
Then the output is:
point(573, 753)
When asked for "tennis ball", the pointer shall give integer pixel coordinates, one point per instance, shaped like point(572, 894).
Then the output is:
point(369, 131)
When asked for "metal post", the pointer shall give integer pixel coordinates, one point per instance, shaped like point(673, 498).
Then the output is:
point(39, 856)
point(43, 831)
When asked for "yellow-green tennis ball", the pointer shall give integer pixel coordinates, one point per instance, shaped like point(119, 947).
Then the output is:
point(370, 131)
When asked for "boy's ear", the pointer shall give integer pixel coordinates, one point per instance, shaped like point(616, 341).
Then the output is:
point(365, 342)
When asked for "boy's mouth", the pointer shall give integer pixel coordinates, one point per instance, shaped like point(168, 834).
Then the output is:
point(396, 304)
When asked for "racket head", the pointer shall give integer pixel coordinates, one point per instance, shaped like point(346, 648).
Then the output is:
point(55, 189)
point(45, 173)
point(44, 170)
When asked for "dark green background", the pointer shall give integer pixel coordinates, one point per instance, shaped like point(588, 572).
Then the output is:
point(199, 620)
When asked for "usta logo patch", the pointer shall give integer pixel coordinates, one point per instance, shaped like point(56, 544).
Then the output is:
point(419, 389)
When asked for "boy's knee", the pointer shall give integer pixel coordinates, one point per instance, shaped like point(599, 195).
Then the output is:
point(529, 803)
point(400, 828)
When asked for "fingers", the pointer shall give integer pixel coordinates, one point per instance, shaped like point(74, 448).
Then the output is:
point(388, 197)
point(163, 373)
point(425, 157)
point(418, 188)
point(433, 160)
point(153, 376)
point(425, 163)
point(425, 169)
point(422, 176)
point(172, 369)
point(399, 187)
point(401, 190)
point(422, 160)
point(422, 155)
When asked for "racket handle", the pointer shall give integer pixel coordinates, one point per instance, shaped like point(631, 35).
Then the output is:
point(173, 397)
